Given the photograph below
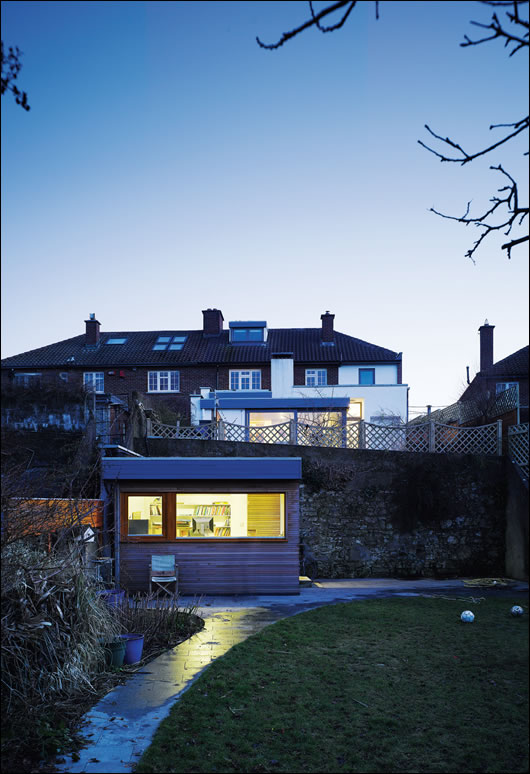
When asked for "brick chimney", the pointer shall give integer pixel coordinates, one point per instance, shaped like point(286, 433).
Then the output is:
point(486, 345)
point(92, 331)
point(327, 334)
point(212, 324)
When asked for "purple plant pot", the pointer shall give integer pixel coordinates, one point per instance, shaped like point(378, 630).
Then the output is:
point(134, 644)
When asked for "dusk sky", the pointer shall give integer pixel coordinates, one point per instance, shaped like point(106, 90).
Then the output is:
point(168, 164)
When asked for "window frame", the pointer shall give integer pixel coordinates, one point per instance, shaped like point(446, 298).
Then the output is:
point(169, 517)
point(94, 380)
point(506, 386)
point(244, 335)
point(169, 343)
point(27, 379)
point(157, 373)
point(367, 371)
point(251, 372)
point(317, 378)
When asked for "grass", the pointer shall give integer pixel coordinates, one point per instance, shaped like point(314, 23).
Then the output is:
point(385, 685)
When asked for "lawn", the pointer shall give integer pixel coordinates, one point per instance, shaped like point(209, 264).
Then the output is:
point(384, 685)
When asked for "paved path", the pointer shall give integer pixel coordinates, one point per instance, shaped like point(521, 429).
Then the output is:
point(120, 726)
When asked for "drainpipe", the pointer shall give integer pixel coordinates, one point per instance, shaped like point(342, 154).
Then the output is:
point(117, 530)
point(104, 496)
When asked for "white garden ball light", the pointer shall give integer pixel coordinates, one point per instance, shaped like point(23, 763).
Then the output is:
point(467, 616)
point(516, 610)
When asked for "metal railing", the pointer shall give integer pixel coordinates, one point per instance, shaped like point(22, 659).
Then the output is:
point(433, 437)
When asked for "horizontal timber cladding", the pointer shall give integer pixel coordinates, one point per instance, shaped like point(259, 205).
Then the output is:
point(218, 565)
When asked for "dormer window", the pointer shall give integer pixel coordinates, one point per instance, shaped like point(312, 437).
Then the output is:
point(248, 332)
point(172, 343)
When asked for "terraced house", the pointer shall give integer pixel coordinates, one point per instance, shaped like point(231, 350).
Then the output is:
point(244, 373)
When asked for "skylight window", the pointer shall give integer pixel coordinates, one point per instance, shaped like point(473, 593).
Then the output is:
point(169, 343)
point(117, 340)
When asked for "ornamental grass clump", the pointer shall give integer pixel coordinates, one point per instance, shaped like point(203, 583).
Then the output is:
point(52, 625)
point(161, 621)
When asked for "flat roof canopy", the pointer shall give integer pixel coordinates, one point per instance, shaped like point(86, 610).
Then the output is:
point(283, 404)
point(256, 468)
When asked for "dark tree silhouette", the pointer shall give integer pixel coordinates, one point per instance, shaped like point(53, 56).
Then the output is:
point(505, 212)
point(11, 66)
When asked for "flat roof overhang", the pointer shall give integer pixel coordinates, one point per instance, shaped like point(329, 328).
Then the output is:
point(201, 468)
point(323, 404)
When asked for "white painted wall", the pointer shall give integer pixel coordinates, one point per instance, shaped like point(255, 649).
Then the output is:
point(375, 398)
point(282, 376)
point(384, 374)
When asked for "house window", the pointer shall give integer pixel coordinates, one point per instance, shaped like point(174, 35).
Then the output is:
point(245, 380)
point(203, 515)
point(173, 343)
point(502, 386)
point(163, 381)
point(230, 515)
point(366, 375)
point(316, 377)
point(247, 334)
point(27, 380)
point(94, 381)
point(145, 515)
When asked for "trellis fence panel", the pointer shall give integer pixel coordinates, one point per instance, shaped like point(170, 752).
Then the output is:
point(433, 437)
point(518, 446)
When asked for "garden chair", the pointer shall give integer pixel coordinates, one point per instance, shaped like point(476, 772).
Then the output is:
point(163, 574)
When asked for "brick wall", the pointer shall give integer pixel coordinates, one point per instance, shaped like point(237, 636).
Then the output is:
point(125, 381)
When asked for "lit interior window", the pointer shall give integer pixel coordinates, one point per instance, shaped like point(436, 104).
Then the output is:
point(144, 515)
point(230, 515)
point(355, 409)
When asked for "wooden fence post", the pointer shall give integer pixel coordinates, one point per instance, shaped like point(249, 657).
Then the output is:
point(432, 440)
point(292, 432)
point(149, 427)
point(499, 437)
point(362, 434)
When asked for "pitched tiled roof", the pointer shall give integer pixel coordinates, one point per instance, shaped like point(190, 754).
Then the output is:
point(304, 343)
point(515, 364)
point(513, 367)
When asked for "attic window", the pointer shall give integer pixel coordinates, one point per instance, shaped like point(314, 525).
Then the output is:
point(169, 343)
point(117, 341)
point(248, 331)
point(247, 334)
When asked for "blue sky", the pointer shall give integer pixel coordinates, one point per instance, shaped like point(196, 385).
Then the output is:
point(168, 164)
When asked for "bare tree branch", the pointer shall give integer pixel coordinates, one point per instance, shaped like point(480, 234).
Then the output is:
point(499, 32)
point(11, 66)
point(516, 38)
point(466, 157)
point(315, 20)
point(515, 216)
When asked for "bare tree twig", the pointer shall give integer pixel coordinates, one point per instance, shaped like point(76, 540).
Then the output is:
point(467, 157)
point(515, 216)
point(315, 20)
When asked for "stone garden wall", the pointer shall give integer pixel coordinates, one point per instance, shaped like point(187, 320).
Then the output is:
point(387, 513)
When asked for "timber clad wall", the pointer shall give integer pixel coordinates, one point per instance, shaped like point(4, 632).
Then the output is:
point(220, 566)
